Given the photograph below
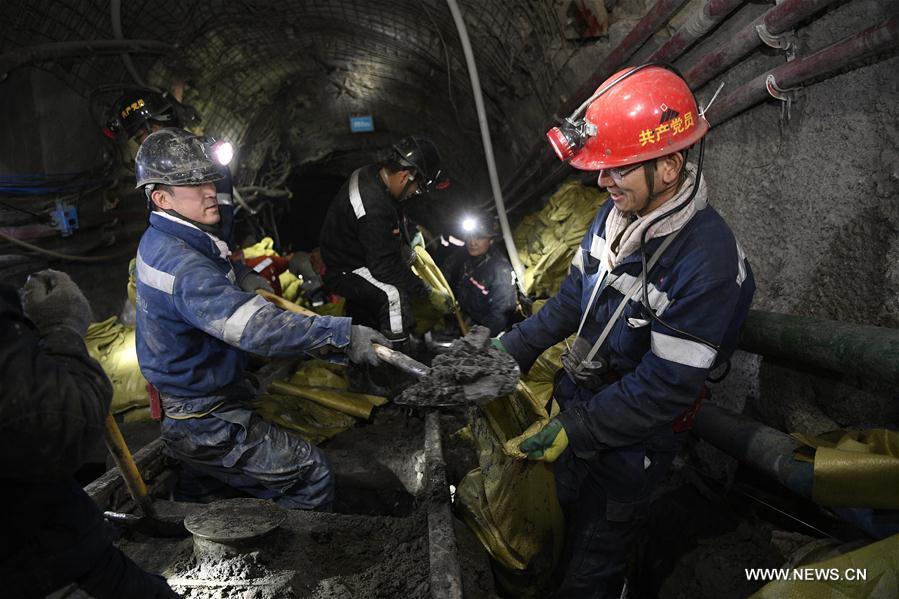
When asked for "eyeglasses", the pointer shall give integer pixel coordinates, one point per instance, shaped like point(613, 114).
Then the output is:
point(619, 173)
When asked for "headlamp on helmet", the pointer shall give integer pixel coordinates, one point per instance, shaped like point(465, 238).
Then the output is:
point(569, 137)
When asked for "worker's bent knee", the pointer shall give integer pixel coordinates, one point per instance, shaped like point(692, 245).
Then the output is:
point(315, 489)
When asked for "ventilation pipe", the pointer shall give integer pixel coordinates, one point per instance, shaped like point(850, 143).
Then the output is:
point(839, 346)
point(773, 23)
point(780, 82)
point(699, 23)
point(43, 52)
point(770, 452)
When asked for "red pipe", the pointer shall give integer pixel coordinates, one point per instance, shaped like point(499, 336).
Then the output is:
point(777, 20)
point(651, 22)
point(698, 25)
point(823, 63)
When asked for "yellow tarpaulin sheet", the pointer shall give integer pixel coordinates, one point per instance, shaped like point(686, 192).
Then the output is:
point(546, 240)
point(871, 572)
point(313, 421)
point(509, 503)
point(425, 269)
point(856, 468)
point(112, 345)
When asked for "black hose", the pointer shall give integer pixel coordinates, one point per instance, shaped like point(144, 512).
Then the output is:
point(644, 274)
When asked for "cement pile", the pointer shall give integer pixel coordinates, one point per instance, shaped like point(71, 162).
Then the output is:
point(472, 372)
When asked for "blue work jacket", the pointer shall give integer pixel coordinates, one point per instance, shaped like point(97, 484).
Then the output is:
point(195, 325)
point(701, 285)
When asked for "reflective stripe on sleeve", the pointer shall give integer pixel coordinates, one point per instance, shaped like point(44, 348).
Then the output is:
point(683, 351)
point(237, 322)
point(355, 196)
point(154, 278)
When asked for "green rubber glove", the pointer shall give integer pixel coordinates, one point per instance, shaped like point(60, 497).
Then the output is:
point(547, 444)
point(497, 344)
point(441, 300)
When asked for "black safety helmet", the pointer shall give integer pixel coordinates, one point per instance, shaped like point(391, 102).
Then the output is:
point(174, 157)
point(420, 155)
point(135, 109)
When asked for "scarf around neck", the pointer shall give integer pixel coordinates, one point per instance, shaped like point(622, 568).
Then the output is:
point(621, 223)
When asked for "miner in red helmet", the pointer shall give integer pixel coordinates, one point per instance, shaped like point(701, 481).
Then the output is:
point(656, 295)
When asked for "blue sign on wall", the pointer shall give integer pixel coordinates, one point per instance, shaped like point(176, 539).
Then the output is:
point(362, 124)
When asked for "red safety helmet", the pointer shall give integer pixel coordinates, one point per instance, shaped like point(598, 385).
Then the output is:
point(637, 114)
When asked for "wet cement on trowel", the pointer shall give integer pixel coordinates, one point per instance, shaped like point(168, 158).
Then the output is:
point(472, 372)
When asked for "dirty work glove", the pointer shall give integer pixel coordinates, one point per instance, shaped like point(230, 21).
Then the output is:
point(548, 444)
point(441, 300)
point(51, 299)
point(360, 349)
point(251, 281)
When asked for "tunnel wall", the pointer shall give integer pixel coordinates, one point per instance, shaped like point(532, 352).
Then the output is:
point(813, 199)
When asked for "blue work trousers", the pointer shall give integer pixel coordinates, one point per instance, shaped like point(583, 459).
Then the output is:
point(222, 438)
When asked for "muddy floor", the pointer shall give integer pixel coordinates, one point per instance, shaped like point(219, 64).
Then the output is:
point(374, 545)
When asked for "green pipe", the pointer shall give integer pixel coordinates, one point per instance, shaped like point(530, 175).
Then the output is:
point(840, 346)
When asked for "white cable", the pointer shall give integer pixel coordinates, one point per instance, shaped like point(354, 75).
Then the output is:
point(485, 138)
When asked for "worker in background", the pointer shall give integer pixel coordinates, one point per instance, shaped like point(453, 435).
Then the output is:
point(363, 246)
point(634, 376)
point(195, 327)
point(54, 399)
point(138, 113)
point(482, 278)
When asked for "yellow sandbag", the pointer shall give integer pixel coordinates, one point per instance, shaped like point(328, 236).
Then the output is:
point(856, 468)
point(112, 345)
point(312, 421)
point(869, 572)
point(315, 373)
point(354, 404)
point(265, 247)
point(511, 504)
point(326, 309)
point(547, 240)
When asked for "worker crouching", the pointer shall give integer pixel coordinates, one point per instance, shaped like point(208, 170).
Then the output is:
point(195, 327)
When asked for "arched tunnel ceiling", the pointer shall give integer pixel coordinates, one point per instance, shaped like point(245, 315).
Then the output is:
point(289, 76)
point(282, 78)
